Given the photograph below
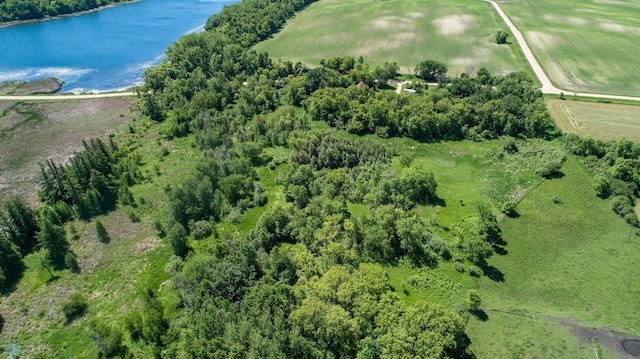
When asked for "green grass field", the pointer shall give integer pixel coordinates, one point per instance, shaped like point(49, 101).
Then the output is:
point(460, 34)
point(598, 120)
point(570, 261)
point(584, 46)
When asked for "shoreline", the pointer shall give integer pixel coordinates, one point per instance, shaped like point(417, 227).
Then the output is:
point(83, 12)
point(50, 89)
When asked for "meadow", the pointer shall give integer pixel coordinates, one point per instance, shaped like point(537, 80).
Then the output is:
point(111, 274)
point(32, 133)
point(598, 120)
point(570, 266)
point(584, 46)
point(460, 34)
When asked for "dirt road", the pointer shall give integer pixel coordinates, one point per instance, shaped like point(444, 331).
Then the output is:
point(547, 86)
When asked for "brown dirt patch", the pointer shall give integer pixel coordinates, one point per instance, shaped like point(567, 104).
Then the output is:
point(610, 339)
point(4, 106)
point(146, 245)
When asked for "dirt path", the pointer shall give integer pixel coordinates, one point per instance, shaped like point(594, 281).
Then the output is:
point(547, 86)
point(66, 97)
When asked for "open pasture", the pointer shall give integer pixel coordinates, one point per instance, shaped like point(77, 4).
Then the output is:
point(584, 46)
point(571, 261)
point(460, 34)
point(598, 120)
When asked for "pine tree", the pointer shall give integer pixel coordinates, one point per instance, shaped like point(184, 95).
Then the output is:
point(52, 238)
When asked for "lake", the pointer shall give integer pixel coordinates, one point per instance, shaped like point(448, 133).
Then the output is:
point(102, 50)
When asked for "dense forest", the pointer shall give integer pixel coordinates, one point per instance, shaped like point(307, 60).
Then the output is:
point(308, 280)
point(16, 10)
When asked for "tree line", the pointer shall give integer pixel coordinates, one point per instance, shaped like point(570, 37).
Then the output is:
point(616, 171)
point(17, 10)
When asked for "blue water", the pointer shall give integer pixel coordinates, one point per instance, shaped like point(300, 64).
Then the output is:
point(102, 50)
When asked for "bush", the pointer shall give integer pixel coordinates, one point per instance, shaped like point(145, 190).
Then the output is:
point(501, 37)
point(473, 300)
point(133, 216)
point(549, 169)
point(475, 271)
point(602, 185)
point(510, 146)
point(624, 208)
point(75, 307)
point(458, 267)
point(200, 230)
point(440, 247)
point(509, 208)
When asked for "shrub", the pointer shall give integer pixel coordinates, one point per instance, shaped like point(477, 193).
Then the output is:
point(133, 216)
point(474, 271)
point(440, 247)
point(200, 229)
point(159, 227)
point(473, 299)
point(549, 169)
point(501, 37)
point(75, 307)
point(510, 146)
point(602, 185)
point(458, 267)
point(624, 208)
point(509, 208)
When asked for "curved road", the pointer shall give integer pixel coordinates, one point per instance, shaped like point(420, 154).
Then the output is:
point(65, 97)
point(547, 86)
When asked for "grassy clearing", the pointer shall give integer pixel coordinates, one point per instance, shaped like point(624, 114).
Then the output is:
point(469, 172)
point(443, 285)
point(585, 46)
point(34, 132)
point(460, 34)
point(511, 336)
point(569, 258)
point(598, 120)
